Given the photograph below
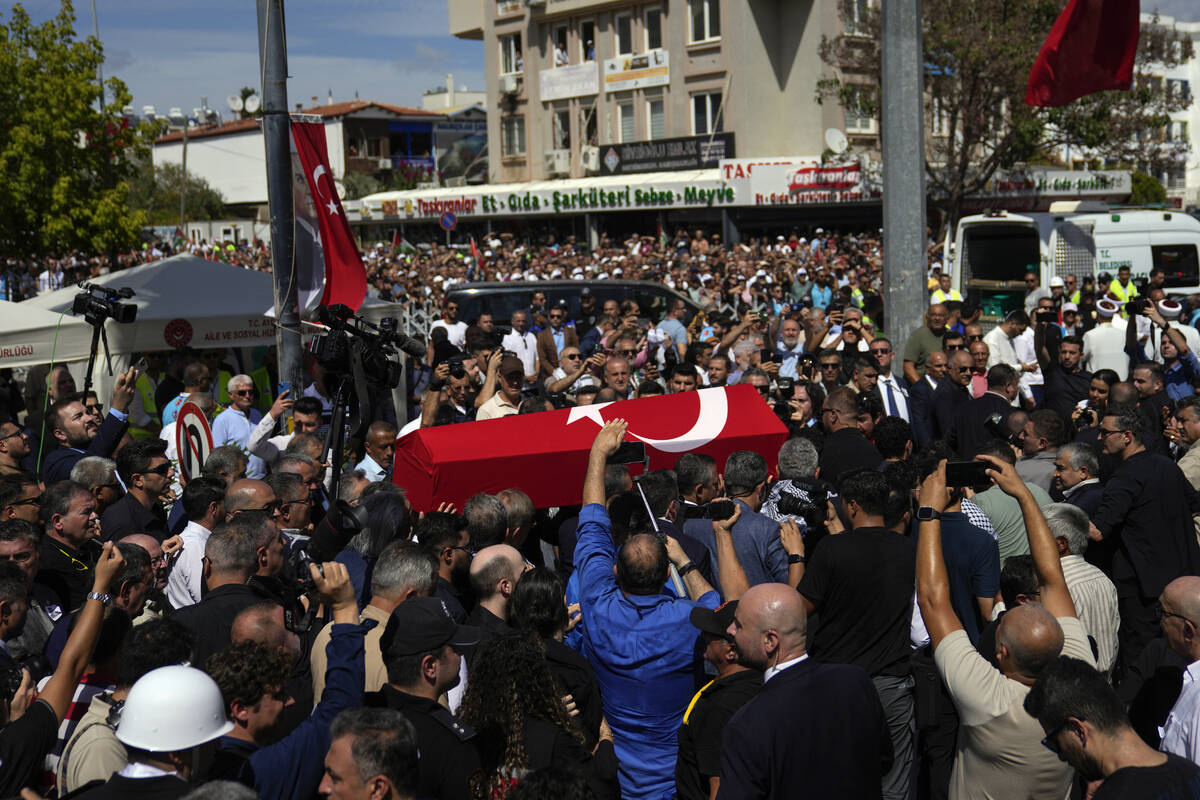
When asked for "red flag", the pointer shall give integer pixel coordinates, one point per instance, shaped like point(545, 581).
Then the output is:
point(545, 455)
point(345, 276)
point(395, 240)
point(1091, 48)
point(474, 251)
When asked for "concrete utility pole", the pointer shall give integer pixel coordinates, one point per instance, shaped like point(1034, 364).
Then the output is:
point(903, 130)
point(272, 53)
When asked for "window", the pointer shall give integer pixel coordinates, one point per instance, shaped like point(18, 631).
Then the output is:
point(560, 121)
point(706, 108)
point(1179, 263)
point(706, 20)
point(656, 114)
point(858, 119)
point(623, 31)
point(507, 7)
point(939, 119)
point(1179, 131)
point(626, 126)
point(510, 54)
point(559, 40)
point(512, 135)
point(587, 40)
point(653, 26)
point(856, 15)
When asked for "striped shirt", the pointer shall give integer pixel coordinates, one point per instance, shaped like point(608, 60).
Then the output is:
point(1095, 600)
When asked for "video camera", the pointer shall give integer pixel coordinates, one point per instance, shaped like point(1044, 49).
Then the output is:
point(98, 303)
point(353, 339)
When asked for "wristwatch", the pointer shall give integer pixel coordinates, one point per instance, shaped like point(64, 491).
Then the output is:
point(686, 568)
point(104, 599)
point(797, 558)
point(927, 514)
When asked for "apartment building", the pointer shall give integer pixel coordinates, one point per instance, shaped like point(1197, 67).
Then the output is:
point(588, 87)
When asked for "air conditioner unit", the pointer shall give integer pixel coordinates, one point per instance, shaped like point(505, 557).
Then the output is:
point(590, 157)
point(510, 84)
point(558, 162)
point(384, 163)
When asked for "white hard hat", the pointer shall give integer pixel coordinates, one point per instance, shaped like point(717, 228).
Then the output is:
point(1057, 282)
point(171, 709)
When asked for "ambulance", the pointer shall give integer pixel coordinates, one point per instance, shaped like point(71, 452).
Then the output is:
point(991, 252)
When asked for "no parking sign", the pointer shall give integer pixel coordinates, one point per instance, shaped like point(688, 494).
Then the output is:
point(193, 440)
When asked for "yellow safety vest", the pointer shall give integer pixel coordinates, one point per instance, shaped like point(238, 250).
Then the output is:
point(1074, 298)
point(941, 297)
point(1122, 293)
point(266, 392)
point(145, 388)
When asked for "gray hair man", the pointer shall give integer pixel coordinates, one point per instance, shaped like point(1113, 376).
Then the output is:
point(1094, 595)
point(234, 425)
point(404, 570)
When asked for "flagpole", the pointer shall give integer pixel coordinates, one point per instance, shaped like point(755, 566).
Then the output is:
point(272, 50)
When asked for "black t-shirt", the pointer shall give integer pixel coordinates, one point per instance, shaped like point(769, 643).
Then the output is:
point(1065, 389)
point(861, 582)
point(1176, 779)
point(700, 735)
point(23, 747)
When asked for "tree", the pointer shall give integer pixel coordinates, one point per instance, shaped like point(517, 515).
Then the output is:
point(1147, 190)
point(64, 161)
point(154, 190)
point(977, 60)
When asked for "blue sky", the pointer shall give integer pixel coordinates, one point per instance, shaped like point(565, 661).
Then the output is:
point(173, 53)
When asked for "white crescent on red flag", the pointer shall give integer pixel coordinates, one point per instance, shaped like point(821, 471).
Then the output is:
point(545, 455)
point(345, 275)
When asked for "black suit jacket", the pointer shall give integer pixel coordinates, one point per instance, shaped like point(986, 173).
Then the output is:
point(945, 402)
point(920, 410)
point(814, 731)
point(59, 463)
point(968, 434)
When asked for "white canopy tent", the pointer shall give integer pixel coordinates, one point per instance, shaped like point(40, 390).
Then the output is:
point(182, 301)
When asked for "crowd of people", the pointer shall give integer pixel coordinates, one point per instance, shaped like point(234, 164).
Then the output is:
point(972, 570)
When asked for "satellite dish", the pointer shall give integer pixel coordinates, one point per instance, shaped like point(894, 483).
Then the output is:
point(252, 104)
point(836, 141)
point(235, 102)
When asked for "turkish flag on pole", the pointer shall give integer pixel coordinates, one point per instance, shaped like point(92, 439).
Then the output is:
point(345, 275)
point(545, 455)
point(1091, 48)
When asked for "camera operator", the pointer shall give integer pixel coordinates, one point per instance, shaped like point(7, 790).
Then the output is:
point(76, 433)
point(451, 378)
point(26, 740)
point(574, 371)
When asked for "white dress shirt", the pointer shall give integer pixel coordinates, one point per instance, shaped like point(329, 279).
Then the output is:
point(525, 346)
point(898, 393)
point(1181, 733)
point(1000, 349)
point(234, 427)
point(778, 668)
point(186, 580)
point(374, 472)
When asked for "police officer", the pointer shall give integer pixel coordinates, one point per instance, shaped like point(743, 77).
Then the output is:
point(422, 650)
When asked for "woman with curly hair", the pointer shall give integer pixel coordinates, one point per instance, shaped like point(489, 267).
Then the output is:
point(521, 722)
point(538, 605)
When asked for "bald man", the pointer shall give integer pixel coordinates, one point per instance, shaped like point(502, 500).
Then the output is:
point(249, 494)
point(494, 574)
point(380, 445)
point(999, 752)
point(843, 748)
point(1178, 612)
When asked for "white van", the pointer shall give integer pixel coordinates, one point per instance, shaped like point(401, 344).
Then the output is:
point(993, 251)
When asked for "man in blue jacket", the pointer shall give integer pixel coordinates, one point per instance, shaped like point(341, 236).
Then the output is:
point(75, 434)
point(638, 639)
point(252, 677)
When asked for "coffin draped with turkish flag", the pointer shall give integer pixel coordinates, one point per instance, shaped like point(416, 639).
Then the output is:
point(545, 455)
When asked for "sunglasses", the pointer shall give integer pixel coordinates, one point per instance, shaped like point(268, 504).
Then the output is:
point(571, 355)
point(161, 469)
point(246, 392)
point(882, 351)
point(1051, 740)
point(14, 434)
point(95, 409)
point(28, 501)
point(956, 347)
point(961, 369)
point(1105, 433)
point(977, 337)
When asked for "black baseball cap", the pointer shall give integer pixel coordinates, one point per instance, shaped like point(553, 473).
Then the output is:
point(422, 624)
point(715, 622)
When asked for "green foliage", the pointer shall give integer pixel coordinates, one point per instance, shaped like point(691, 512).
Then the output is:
point(360, 184)
point(978, 55)
point(63, 163)
point(1147, 190)
point(154, 190)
